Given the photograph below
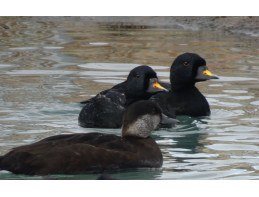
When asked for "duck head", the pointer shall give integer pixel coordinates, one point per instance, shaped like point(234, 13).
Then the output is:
point(189, 68)
point(142, 117)
point(142, 82)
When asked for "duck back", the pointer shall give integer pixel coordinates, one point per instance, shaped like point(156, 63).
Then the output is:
point(105, 110)
point(80, 153)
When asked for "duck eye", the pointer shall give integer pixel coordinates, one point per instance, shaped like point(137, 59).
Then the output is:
point(137, 76)
point(185, 63)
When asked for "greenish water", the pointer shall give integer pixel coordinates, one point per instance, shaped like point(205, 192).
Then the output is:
point(48, 65)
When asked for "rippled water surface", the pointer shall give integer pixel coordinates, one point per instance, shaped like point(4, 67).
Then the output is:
point(48, 65)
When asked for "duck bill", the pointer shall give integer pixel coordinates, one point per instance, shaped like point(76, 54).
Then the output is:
point(204, 74)
point(154, 86)
point(167, 122)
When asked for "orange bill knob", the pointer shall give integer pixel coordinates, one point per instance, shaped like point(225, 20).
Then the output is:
point(207, 72)
point(157, 85)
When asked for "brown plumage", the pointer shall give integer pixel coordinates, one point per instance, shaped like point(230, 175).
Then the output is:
point(90, 152)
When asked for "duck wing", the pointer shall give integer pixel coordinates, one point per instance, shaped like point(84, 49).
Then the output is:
point(80, 153)
point(105, 110)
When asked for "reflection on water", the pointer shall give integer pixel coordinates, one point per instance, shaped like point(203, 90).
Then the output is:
point(48, 66)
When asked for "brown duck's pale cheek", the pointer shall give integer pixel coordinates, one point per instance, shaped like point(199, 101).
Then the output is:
point(143, 126)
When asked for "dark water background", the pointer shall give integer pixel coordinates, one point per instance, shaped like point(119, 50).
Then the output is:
point(47, 65)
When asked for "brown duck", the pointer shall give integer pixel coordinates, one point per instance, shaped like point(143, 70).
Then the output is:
point(94, 152)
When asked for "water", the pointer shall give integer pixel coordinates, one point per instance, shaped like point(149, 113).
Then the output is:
point(48, 65)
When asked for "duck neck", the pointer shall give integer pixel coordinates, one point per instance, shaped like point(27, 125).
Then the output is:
point(181, 86)
point(141, 127)
point(133, 132)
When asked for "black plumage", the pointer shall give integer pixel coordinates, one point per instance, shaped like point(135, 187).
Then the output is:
point(184, 98)
point(105, 110)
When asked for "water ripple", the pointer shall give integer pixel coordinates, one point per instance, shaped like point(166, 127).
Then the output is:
point(48, 65)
